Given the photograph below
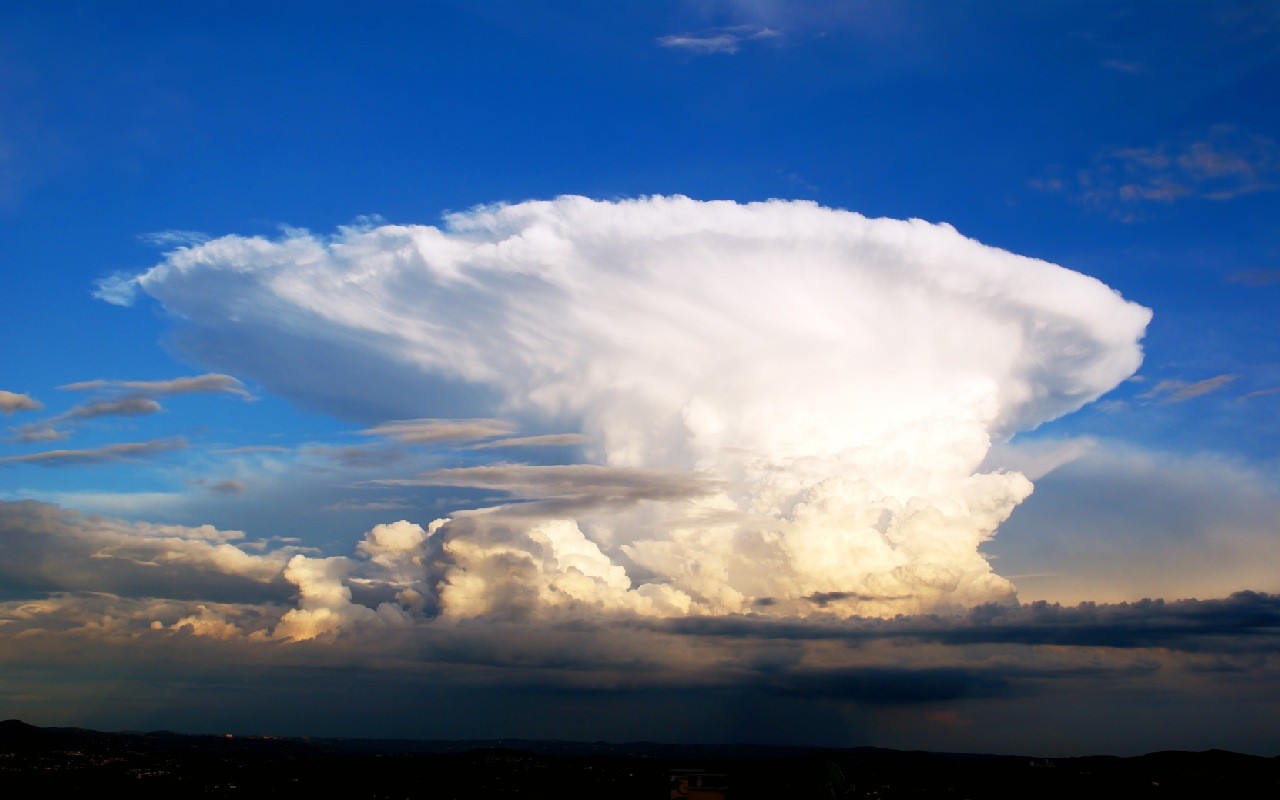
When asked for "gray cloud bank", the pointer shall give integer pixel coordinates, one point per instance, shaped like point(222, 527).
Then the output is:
point(838, 380)
point(102, 602)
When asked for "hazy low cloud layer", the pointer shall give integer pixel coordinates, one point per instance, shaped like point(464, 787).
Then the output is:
point(828, 384)
point(46, 549)
point(106, 604)
point(1113, 522)
point(60, 566)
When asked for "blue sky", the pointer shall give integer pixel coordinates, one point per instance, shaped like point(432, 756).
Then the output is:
point(1135, 143)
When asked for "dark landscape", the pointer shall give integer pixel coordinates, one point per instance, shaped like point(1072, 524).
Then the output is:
point(167, 764)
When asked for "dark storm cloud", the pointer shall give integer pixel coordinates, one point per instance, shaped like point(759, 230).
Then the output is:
point(1243, 621)
point(45, 549)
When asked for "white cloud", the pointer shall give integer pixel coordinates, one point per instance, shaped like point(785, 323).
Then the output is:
point(838, 379)
point(325, 608)
point(118, 290)
point(175, 238)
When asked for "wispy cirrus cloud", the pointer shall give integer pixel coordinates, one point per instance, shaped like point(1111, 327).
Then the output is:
point(36, 432)
point(209, 383)
point(124, 399)
point(1225, 163)
point(112, 407)
point(175, 238)
point(118, 290)
point(368, 505)
point(545, 440)
point(437, 431)
point(1255, 277)
point(1178, 391)
point(124, 451)
point(1127, 67)
point(1258, 393)
point(609, 484)
point(48, 430)
point(718, 41)
point(357, 455)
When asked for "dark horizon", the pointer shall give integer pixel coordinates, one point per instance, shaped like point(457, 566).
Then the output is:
point(12, 730)
point(44, 759)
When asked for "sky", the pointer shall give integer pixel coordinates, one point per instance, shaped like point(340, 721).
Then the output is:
point(839, 373)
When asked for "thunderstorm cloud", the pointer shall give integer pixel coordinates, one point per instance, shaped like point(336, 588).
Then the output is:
point(776, 401)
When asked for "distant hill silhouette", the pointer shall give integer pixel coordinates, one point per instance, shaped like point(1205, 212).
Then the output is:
point(167, 764)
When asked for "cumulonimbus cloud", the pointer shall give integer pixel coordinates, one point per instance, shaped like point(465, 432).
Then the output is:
point(838, 379)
